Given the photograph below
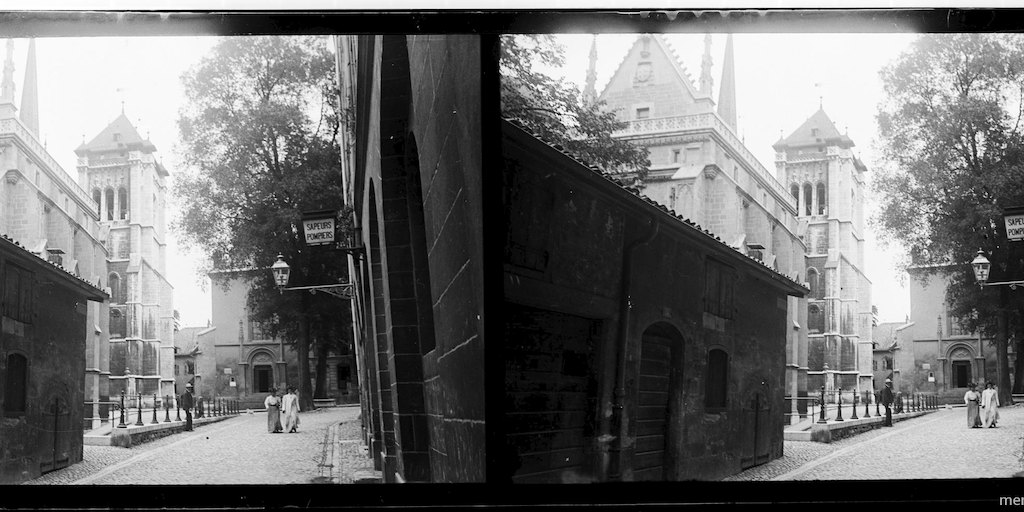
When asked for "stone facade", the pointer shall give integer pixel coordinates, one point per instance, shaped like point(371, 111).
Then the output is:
point(233, 349)
point(817, 165)
point(46, 211)
point(128, 186)
point(412, 171)
point(637, 345)
point(933, 352)
point(701, 170)
point(44, 311)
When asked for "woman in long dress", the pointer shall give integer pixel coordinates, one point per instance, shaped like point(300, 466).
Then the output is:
point(972, 399)
point(273, 404)
point(290, 411)
point(990, 404)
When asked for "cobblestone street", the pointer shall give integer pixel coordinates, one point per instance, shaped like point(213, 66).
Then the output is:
point(234, 451)
point(934, 446)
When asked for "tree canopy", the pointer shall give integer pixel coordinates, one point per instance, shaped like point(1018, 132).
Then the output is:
point(953, 162)
point(557, 111)
point(258, 140)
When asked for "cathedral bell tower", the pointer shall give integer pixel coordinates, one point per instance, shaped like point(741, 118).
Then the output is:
point(120, 171)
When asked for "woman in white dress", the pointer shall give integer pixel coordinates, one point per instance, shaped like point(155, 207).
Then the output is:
point(990, 406)
point(972, 399)
point(290, 410)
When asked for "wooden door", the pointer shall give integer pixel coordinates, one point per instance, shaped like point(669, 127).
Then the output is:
point(653, 412)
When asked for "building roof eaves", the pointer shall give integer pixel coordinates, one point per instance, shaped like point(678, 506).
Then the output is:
point(649, 203)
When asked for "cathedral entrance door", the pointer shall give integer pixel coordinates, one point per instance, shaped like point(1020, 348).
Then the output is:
point(262, 377)
point(961, 374)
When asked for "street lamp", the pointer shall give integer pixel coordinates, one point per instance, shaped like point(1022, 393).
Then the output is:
point(981, 268)
point(282, 271)
point(981, 271)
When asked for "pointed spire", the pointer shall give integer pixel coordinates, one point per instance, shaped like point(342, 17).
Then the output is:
point(706, 82)
point(7, 87)
point(30, 93)
point(727, 92)
point(590, 91)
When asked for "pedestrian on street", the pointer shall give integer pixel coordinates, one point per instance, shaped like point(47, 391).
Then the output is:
point(972, 399)
point(273, 405)
point(887, 402)
point(187, 402)
point(290, 410)
point(990, 403)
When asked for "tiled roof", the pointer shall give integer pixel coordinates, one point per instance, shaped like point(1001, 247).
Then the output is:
point(664, 209)
point(52, 264)
point(127, 137)
point(816, 130)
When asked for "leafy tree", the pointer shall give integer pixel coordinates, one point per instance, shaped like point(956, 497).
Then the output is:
point(259, 139)
point(950, 127)
point(557, 111)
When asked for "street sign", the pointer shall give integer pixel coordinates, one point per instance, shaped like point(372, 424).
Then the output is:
point(1014, 219)
point(318, 227)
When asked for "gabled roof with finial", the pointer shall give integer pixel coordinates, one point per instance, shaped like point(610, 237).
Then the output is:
point(815, 131)
point(119, 135)
point(656, 45)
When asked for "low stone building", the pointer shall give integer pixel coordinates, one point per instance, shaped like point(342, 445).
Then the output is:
point(43, 311)
point(935, 352)
point(638, 346)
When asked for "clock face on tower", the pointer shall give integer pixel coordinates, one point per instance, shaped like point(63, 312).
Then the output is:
point(643, 72)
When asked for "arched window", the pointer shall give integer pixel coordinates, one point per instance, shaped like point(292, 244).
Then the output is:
point(795, 190)
point(807, 199)
point(16, 385)
point(821, 199)
point(117, 323)
point(116, 295)
point(717, 379)
point(122, 204)
point(110, 203)
point(815, 319)
point(814, 283)
point(97, 197)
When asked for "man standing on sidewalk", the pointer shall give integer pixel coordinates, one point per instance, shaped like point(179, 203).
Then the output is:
point(186, 402)
point(887, 402)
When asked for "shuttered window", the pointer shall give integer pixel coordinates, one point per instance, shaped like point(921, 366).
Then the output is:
point(717, 379)
point(15, 385)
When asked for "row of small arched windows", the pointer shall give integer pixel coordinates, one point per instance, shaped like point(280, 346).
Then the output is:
point(808, 207)
point(121, 212)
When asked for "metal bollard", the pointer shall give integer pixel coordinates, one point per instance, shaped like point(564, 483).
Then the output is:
point(138, 402)
point(154, 411)
point(867, 400)
point(854, 415)
point(839, 405)
point(822, 418)
point(877, 411)
point(122, 424)
point(167, 409)
point(177, 410)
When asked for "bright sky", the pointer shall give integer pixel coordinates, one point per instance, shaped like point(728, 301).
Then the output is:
point(82, 82)
point(780, 79)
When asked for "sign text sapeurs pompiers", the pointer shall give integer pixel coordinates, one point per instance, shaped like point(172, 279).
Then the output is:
point(1014, 219)
point(318, 227)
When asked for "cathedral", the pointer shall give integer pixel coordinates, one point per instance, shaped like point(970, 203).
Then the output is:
point(804, 220)
point(108, 227)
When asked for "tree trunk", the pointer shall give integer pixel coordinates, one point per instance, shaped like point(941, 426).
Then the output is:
point(322, 347)
point(1018, 367)
point(302, 353)
point(1002, 357)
